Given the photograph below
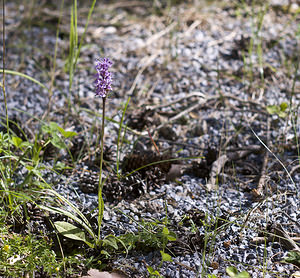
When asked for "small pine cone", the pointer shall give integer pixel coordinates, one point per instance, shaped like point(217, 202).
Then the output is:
point(135, 161)
point(132, 162)
point(107, 155)
point(88, 182)
point(135, 186)
point(113, 190)
point(128, 188)
point(201, 170)
point(49, 152)
point(77, 146)
point(165, 166)
point(154, 177)
point(139, 119)
point(34, 212)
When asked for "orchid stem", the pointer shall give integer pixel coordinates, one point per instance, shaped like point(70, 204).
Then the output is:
point(100, 185)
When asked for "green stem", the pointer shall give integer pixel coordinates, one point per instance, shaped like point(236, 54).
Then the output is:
point(100, 185)
point(3, 76)
point(5, 102)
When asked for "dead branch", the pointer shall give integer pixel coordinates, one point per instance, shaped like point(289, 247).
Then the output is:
point(201, 102)
point(258, 192)
point(284, 238)
point(216, 168)
point(219, 164)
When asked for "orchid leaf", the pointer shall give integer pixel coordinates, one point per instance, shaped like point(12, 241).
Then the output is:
point(70, 231)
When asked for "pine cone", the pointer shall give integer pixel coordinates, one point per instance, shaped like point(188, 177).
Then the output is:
point(135, 161)
point(88, 182)
point(128, 188)
point(154, 177)
point(142, 118)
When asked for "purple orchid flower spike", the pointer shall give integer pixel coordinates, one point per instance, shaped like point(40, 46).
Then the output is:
point(103, 77)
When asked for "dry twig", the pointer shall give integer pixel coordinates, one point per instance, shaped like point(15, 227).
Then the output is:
point(258, 192)
point(219, 164)
point(284, 238)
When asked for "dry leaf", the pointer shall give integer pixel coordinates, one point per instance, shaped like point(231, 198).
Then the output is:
point(194, 115)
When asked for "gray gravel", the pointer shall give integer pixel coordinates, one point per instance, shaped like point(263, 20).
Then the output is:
point(188, 62)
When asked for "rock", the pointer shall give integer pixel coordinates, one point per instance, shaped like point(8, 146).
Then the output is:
point(94, 273)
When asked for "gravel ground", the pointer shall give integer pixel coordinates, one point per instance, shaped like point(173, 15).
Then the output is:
point(191, 85)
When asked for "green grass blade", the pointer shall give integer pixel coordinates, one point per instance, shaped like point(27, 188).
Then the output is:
point(84, 32)
point(75, 23)
point(12, 72)
point(119, 135)
point(79, 221)
point(64, 200)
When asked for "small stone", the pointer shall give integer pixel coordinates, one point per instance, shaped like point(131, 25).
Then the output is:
point(110, 30)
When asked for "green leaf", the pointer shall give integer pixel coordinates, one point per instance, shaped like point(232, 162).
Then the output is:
point(273, 109)
point(165, 257)
point(26, 144)
point(105, 253)
point(278, 109)
point(152, 271)
point(243, 274)
point(282, 114)
point(25, 76)
point(17, 141)
point(165, 231)
point(172, 236)
point(293, 258)
point(81, 221)
point(50, 128)
point(110, 241)
point(61, 166)
point(283, 106)
point(46, 129)
point(29, 168)
point(58, 142)
point(69, 230)
point(53, 126)
point(231, 271)
point(66, 134)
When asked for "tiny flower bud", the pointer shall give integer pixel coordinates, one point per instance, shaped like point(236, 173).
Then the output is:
point(6, 248)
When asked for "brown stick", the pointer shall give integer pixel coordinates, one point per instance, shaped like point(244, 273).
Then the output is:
point(258, 192)
point(284, 238)
point(219, 164)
